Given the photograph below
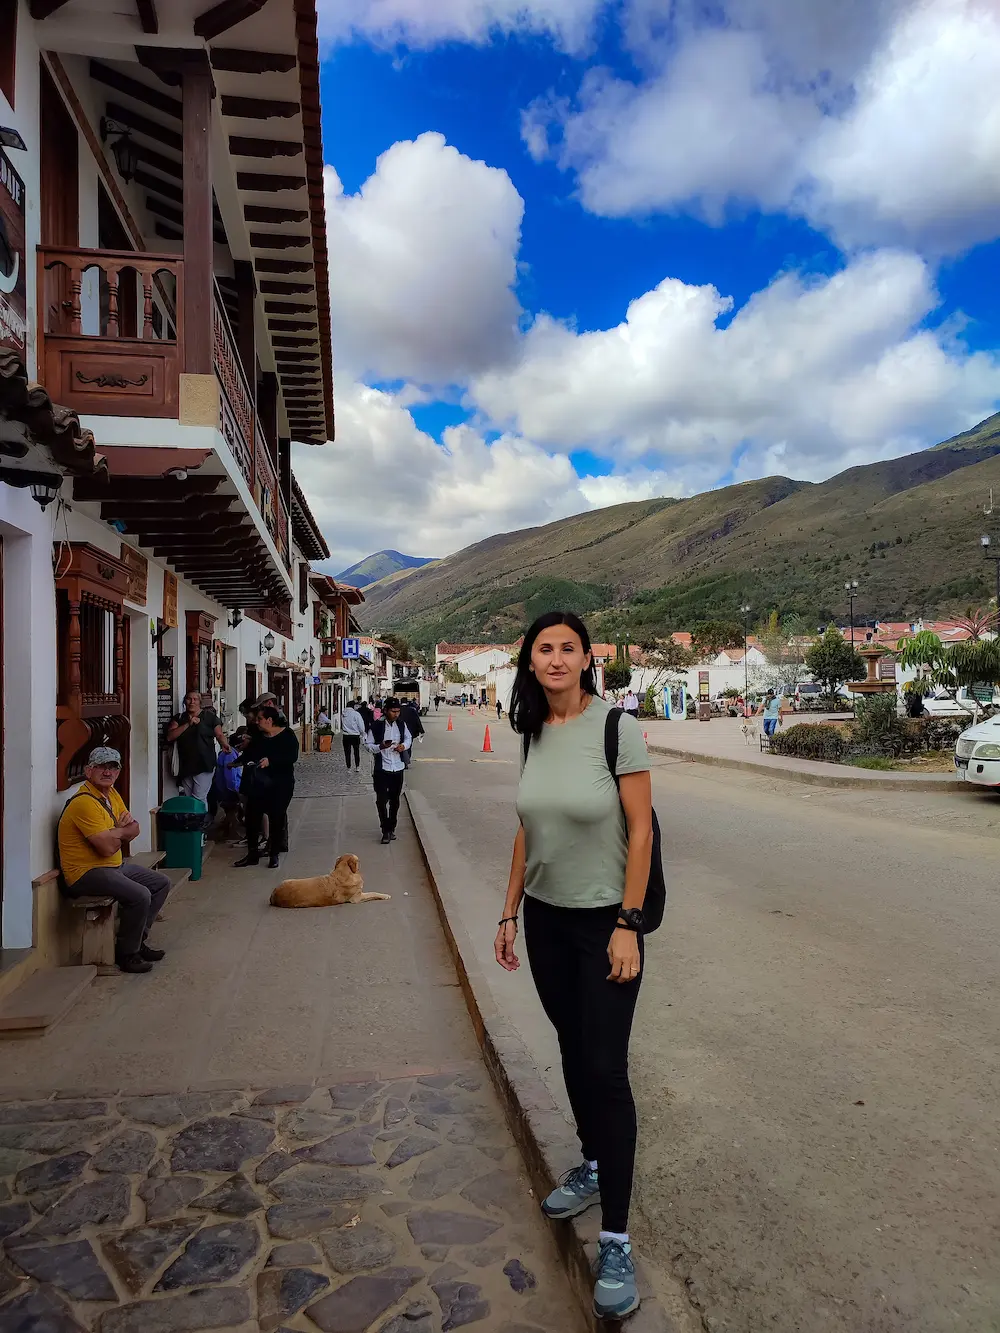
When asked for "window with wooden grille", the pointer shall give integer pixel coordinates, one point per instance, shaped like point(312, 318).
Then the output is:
point(92, 658)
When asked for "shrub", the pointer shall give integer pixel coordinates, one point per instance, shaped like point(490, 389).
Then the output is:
point(940, 733)
point(878, 728)
point(809, 740)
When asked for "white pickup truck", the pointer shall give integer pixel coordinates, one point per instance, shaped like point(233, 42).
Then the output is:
point(977, 753)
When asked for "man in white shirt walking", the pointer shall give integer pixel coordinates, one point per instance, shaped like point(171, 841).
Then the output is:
point(352, 725)
point(388, 739)
point(631, 703)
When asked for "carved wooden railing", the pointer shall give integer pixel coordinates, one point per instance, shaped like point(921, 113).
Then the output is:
point(268, 495)
point(110, 337)
point(236, 400)
point(330, 654)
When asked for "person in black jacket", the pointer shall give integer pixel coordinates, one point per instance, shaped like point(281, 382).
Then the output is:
point(273, 754)
point(409, 715)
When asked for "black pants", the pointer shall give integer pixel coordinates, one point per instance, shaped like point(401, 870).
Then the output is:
point(567, 952)
point(388, 789)
point(276, 809)
point(352, 745)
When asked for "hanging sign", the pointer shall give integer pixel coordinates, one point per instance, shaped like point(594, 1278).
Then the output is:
point(351, 648)
point(13, 275)
point(169, 616)
point(138, 569)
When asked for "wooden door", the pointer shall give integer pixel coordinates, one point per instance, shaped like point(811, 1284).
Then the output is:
point(59, 189)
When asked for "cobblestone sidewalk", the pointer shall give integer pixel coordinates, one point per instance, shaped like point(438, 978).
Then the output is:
point(399, 1206)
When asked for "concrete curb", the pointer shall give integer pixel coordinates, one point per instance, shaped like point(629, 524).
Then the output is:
point(538, 1126)
point(873, 782)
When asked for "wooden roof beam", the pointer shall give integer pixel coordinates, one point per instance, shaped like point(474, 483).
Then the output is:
point(257, 108)
point(263, 183)
point(276, 240)
point(241, 145)
point(148, 21)
point(282, 266)
point(225, 15)
point(237, 61)
point(129, 87)
point(152, 129)
point(259, 213)
point(271, 288)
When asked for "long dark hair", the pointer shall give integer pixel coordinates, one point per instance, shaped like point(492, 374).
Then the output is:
point(529, 707)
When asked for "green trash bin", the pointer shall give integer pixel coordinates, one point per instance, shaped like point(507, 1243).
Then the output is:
point(181, 821)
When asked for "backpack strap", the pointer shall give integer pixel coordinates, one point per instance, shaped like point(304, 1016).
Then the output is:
point(611, 742)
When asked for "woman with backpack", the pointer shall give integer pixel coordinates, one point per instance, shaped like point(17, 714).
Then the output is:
point(581, 866)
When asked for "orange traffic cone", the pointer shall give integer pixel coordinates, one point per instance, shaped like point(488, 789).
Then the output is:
point(450, 726)
point(487, 747)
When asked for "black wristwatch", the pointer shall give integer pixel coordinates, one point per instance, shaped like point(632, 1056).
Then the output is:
point(631, 918)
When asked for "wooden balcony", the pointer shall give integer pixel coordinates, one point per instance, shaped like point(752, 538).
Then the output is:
point(330, 657)
point(110, 336)
point(111, 343)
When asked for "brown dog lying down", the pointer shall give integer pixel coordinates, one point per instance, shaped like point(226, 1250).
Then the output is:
point(342, 885)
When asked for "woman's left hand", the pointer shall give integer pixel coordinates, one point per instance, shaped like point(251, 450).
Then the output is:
point(623, 955)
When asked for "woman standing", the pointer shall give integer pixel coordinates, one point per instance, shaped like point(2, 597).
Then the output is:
point(580, 864)
point(274, 752)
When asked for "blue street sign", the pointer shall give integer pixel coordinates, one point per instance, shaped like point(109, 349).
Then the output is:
point(352, 648)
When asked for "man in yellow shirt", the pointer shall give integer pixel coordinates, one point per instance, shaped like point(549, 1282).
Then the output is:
point(92, 827)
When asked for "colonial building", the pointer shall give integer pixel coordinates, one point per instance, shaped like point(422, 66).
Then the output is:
point(164, 337)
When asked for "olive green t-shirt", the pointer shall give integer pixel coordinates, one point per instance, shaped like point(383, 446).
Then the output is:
point(574, 826)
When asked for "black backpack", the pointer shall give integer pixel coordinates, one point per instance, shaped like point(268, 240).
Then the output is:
point(656, 887)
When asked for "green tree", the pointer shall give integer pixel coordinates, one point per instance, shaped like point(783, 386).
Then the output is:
point(452, 675)
point(400, 646)
point(833, 661)
point(617, 674)
point(710, 637)
point(973, 662)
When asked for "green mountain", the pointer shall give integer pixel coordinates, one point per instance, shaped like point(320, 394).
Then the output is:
point(380, 566)
point(908, 529)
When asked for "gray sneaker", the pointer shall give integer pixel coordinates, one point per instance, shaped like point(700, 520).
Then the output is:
point(615, 1294)
point(576, 1191)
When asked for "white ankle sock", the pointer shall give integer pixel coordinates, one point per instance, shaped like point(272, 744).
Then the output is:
point(620, 1236)
point(592, 1165)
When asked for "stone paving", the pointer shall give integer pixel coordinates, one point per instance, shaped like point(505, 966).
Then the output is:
point(400, 1206)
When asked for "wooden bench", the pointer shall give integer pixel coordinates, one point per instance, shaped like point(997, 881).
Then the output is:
point(98, 947)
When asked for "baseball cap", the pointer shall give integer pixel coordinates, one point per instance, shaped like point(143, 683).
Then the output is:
point(104, 754)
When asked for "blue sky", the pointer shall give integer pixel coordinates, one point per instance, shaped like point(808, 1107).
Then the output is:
point(806, 221)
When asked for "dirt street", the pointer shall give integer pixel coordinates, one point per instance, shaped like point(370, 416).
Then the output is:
point(815, 1055)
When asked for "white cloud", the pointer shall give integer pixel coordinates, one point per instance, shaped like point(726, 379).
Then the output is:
point(812, 375)
point(708, 131)
point(422, 23)
point(916, 157)
point(876, 119)
point(387, 483)
point(423, 260)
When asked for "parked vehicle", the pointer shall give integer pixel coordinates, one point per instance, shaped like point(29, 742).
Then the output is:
point(977, 753)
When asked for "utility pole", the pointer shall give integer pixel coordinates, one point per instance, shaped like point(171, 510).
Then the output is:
point(745, 611)
point(989, 554)
point(851, 588)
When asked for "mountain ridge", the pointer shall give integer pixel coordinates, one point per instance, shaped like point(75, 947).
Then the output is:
point(908, 528)
point(381, 565)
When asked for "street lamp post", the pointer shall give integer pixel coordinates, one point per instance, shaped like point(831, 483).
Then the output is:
point(984, 541)
point(745, 611)
point(851, 588)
